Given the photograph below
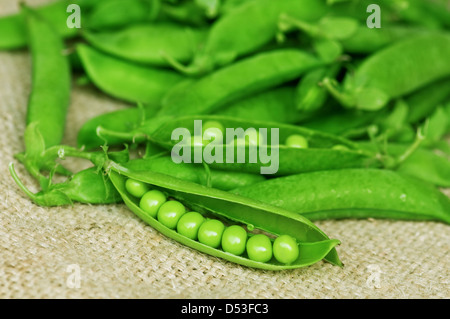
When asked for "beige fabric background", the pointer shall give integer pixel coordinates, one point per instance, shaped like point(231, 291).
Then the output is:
point(118, 256)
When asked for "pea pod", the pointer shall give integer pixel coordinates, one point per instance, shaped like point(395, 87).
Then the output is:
point(367, 41)
point(241, 79)
point(50, 92)
point(374, 83)
point(314, 245)
point(310, 94)
point(195, 173)
point(148, 43)
point(276, 105)
point(125, 80)
point(248, 28)
point(13, 27)
point(320, 155)
point(115, 13)
point(353, 193)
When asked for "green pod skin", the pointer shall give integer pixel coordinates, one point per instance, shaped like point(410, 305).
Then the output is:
point(87, 187)
point(276, 105)
point(314, 245)
point(238, 80)
point(375, 82)
point(319, 155)
point(353, 193)
point(125, 80)
point(367, 41)
point(423, 164)
point(13, 27)
point(247, 28)
point(149, 43)
point(186, 12)
point(124, 120)
point(423, 102)
point(115, 13)
point(51, 83)
point(195, 173)
point(310, 94)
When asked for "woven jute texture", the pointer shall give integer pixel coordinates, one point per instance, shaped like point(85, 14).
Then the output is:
point(115, 255)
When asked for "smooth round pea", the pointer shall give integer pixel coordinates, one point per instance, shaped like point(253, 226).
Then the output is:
point(189, 224)
point(197, 141)
point(152, 201)
point(259, 248)
point(285, 249)
point(297, 141)
point(252, 138)
point(136, 188)
point(170, 213)
point(210, 131)
point(234, 239)
point(210, 233)
point(340, 147)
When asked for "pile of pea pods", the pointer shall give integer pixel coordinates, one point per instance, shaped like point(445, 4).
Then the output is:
point(355, 94)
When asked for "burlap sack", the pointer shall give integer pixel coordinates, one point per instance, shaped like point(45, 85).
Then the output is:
point(106, 252)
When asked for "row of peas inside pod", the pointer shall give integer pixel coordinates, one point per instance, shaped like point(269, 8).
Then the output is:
point(213, 131)
point(234, 239)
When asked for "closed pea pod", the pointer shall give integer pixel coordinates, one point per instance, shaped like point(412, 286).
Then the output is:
point(13, 27)
point(147, 43)
point(313, 243)
point(255, 25)
point(50, 93)
point(375, 82)
point(241, 79)
point(115, 13)
point(353, 193)
point(125, 80)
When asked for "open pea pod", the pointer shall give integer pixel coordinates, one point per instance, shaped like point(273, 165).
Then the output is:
point(314, 245)
point(324, 151)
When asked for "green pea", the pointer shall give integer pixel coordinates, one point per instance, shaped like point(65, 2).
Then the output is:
point(152, 201)
point(297, 141)
point(210, 131)
point(136, 188)
point(197, 141)
point(189, 224)
point(285, 249)
point(170, 213)
point(340, 147)
point(259, 248)
point(234, 239)
point(210, 233)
